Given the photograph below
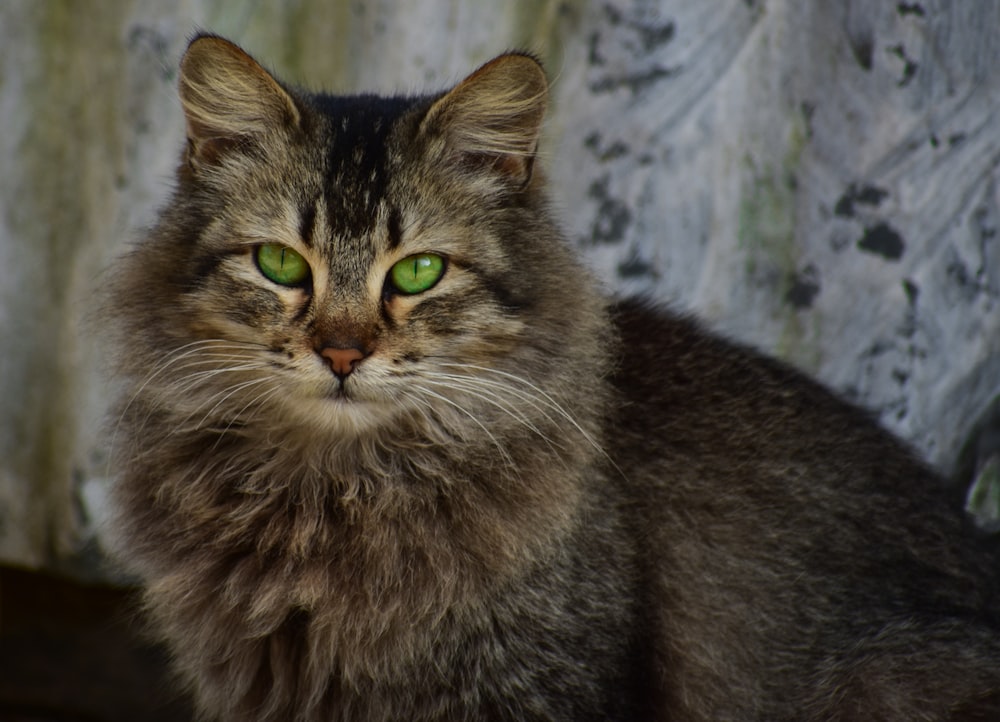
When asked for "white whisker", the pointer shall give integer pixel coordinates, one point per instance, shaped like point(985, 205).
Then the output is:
point(505, 455)
point(189, 381)
point(226, 394)
point(473, 387)
point(258, 401)
point(542, 397)
point(212, 353)
point(480, 383)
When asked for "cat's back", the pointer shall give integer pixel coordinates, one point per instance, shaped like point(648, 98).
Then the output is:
point(695, 383)
point(780, 525)
point(717, 406)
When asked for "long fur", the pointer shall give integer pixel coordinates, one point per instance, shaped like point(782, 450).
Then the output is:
point(524, 502)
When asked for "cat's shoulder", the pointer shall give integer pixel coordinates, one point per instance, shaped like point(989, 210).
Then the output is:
point(662, 348)
point(681, 375)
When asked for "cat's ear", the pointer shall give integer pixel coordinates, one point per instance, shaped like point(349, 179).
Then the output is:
point(228, 99)
point(491, 121)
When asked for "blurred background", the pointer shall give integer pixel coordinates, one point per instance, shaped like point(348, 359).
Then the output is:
point(819, 180)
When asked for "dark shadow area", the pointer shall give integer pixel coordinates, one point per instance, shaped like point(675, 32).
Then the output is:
point(71, 652)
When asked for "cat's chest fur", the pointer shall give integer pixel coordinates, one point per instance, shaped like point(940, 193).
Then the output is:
point(386, 453)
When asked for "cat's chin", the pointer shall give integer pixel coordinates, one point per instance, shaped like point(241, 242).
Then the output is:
point(343, 416)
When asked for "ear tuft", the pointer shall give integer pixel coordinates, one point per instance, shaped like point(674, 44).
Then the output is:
point(228, 99)
point(493, 118)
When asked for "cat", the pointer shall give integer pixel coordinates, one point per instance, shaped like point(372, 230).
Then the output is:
point(385, 451)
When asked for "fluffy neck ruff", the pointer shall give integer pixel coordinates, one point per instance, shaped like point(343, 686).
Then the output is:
point(311, 560)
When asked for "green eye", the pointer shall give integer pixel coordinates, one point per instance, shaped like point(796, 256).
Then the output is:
point(416, 274)
point(282, 265)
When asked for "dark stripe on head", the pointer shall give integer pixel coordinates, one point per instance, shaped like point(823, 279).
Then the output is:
point(356, 184)
point(202, 267)
point(307, 223)
point(395, 232)
point(303, 310)
point(508, 299)
point(387, 318)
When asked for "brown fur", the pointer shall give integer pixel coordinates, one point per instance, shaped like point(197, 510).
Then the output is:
point(523, 503)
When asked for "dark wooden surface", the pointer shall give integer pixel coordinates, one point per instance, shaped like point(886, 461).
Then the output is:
point(74, 653)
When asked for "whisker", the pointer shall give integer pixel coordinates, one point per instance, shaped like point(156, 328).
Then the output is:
point(258, 400)
point(226, 394)
point(239, 355)
point(181, 353)
point(505, 455)
point(189, 381)
point(471, 387)
point(524, 396)
point(548, 400)
point(184, 384)
point(173, 357)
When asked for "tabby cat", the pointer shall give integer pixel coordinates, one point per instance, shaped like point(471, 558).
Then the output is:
point(385, 452)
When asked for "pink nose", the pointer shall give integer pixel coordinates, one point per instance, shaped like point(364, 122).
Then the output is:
point(342, 360)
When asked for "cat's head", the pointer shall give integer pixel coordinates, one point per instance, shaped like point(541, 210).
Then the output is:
point(346, 263)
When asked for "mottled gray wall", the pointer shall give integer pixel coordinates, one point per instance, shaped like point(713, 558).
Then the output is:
point(818, 179)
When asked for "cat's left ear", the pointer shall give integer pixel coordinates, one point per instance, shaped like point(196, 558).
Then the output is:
point(229, 100)
point(491, 121)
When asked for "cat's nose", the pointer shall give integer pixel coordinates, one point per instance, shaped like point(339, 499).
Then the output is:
point(342, 360)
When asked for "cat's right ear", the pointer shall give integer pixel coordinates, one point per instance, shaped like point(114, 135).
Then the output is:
point(491, 121)
point(229, 100)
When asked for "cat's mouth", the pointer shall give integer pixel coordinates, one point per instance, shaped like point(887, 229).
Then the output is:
point(343, 411)
point(343, 393)
point(339, 394)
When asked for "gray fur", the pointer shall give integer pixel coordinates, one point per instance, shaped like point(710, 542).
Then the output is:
point(525, 502)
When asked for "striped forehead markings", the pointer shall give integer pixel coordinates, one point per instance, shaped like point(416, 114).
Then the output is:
point(394, 228)
point(357, 157)
point(307, 223)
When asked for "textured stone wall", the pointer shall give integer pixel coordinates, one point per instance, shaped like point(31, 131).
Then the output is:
point(817, 179)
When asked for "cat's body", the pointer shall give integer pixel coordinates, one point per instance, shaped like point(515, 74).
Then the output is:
point(387, 454)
